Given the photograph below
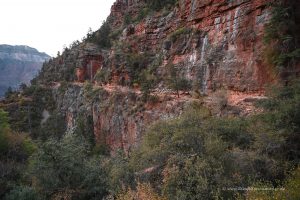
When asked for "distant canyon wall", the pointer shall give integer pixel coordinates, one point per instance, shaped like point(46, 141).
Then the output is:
point(216, 45)
point(19, 64)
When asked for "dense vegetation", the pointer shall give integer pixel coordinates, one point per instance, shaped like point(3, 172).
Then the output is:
point(196, 156)
point(282, 36)
point(105, 36)
point(101, 37)
point(158, 5)
point(15, 149)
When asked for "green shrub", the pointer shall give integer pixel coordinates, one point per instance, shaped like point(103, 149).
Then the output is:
point(282, 35)
point(153, 99)
point(149, 79)
point(28, 146)
point(142, 14)
point(127, 19)
point(283, 115)
point(101, 37)
point(234, 131)
point(103, 76)
point(190, 159)
point(15, 149)
point(288, 191)
point(196, 155)
point(175, 80)
point(115, 34)
point(120, 173)
point(158, 4)
point(54, 127)
point(178, 33)
point(4, 131)
point(101, 149)
point(85, 127)
point(63, 87)
point(136, 64)
point(182, 84)
point(3, 142)
point(143, 191)
point(87, 89)
point(22, 193)
point(147, 85)
point(63, 168)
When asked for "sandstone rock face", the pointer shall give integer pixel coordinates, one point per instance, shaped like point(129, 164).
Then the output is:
point(225, 48)
point(78, 64)
point(18, 64)
point(90, 64)
point(119, 117)
point(121, 123)
point(216, 45)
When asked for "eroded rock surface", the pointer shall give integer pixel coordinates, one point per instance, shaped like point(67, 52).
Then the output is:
point(216, 45)
point(19, 64)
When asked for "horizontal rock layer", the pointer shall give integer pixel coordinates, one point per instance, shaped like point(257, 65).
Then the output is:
point(19, 64)
point(214, 44)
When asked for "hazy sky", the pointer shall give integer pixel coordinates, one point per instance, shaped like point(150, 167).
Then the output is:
point(48, 25)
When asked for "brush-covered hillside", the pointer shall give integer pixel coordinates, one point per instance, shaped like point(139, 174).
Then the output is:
point(174, 99)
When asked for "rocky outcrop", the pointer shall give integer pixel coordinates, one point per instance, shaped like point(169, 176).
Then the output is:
point(222, 48)
point(18, 64)
point(78, 64)
point(214, 45)
point(90, 64)
point(118, 115)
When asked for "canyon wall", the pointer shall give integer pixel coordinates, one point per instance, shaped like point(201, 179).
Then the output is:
point(215, 45)
point(19, 64)
point(224, 49)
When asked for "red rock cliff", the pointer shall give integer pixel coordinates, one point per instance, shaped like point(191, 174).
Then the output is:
point(216, 45)
point(224, 53)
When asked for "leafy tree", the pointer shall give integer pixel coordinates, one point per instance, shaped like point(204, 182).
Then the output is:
point(101, 37)
point(136, 64)
point(194, 159)
point(235, 131)
point(22, 193)
point(26, 110)
point(85, 128)
point(143, 192)
point(147, 86)
point(63, 168)
point(282, 35)
point(283, 115)
point(196, 155)
point(120, 173)
point(15, 149)
point(176, 82)
point(288, 191)
point(54, 127)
